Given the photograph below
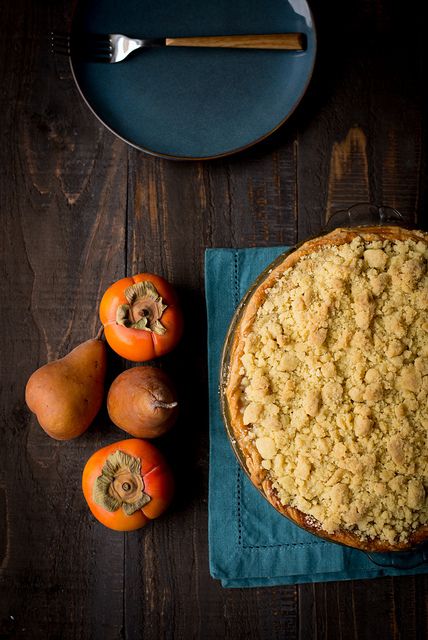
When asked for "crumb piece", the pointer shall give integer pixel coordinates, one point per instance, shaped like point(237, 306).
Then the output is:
point(395, 449)
point(252, 413)
point(288, 362)
point(266, 448)
point(312, 402)
point(362, 425)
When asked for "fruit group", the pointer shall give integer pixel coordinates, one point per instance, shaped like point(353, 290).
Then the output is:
point(66, 394)
point(141, 317)
point(142, 401)
point(127, 484)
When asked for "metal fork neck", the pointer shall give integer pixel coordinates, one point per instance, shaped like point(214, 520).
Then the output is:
point(151, 42)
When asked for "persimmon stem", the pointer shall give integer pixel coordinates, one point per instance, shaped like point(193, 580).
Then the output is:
point(120, 484)
point(144, 309)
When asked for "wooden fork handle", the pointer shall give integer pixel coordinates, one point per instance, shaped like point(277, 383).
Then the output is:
point(290, 41)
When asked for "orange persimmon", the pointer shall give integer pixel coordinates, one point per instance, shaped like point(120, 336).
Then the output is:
point(141, 316)
point(127, 484)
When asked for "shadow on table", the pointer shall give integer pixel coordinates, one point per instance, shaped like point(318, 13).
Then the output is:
point(350, 34)
point(186, 446)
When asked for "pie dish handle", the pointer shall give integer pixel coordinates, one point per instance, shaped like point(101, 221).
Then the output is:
point(404, 560)
point(364, 213)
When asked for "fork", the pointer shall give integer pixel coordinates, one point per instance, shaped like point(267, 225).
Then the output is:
point(115, 47)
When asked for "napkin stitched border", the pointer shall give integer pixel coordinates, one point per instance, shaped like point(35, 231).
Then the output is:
point(237, 295)
point(239, 478)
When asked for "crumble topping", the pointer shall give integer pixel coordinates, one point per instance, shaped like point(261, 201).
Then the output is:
point(334, 387)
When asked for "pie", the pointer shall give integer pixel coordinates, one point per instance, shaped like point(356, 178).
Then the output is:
point(327, 384)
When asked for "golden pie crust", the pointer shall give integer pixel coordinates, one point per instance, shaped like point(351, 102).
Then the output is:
point(233, 390)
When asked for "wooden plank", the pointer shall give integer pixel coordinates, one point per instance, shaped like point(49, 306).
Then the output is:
point(63, 195)
point(365, 143)
point(162, 562)
point(335, 610)
point(410, 605)
point(177, 210)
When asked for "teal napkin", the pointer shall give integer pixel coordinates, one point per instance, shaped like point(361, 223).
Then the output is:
point(250, 543)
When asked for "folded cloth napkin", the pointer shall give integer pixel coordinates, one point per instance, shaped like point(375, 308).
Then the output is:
point(250, 543)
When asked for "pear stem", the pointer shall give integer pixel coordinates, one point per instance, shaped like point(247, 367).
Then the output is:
point(100, 333)
point(158, 404)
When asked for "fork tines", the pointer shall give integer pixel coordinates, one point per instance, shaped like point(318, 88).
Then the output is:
point(60, 43)
point(90, 47)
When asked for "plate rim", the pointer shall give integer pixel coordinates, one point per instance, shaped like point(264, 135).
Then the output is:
point(225, 154)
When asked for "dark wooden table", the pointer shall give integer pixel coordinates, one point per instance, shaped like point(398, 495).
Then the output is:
point(80, 209)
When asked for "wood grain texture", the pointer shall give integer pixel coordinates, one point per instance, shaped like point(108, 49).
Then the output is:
point(63, 240)
point(78, 210)
point(288, 41)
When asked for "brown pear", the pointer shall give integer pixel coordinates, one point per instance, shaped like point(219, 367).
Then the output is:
point(142, 401)
point(66, 394)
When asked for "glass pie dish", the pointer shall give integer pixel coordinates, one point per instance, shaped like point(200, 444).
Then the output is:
point(364, 218)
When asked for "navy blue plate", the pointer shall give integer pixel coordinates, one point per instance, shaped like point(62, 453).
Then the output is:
point(186, 103)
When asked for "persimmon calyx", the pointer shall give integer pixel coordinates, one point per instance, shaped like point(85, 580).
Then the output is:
point(120, 484)
point(144, 309)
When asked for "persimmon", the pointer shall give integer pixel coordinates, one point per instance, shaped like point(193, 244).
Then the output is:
point(127, 484)
point(141, 316)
